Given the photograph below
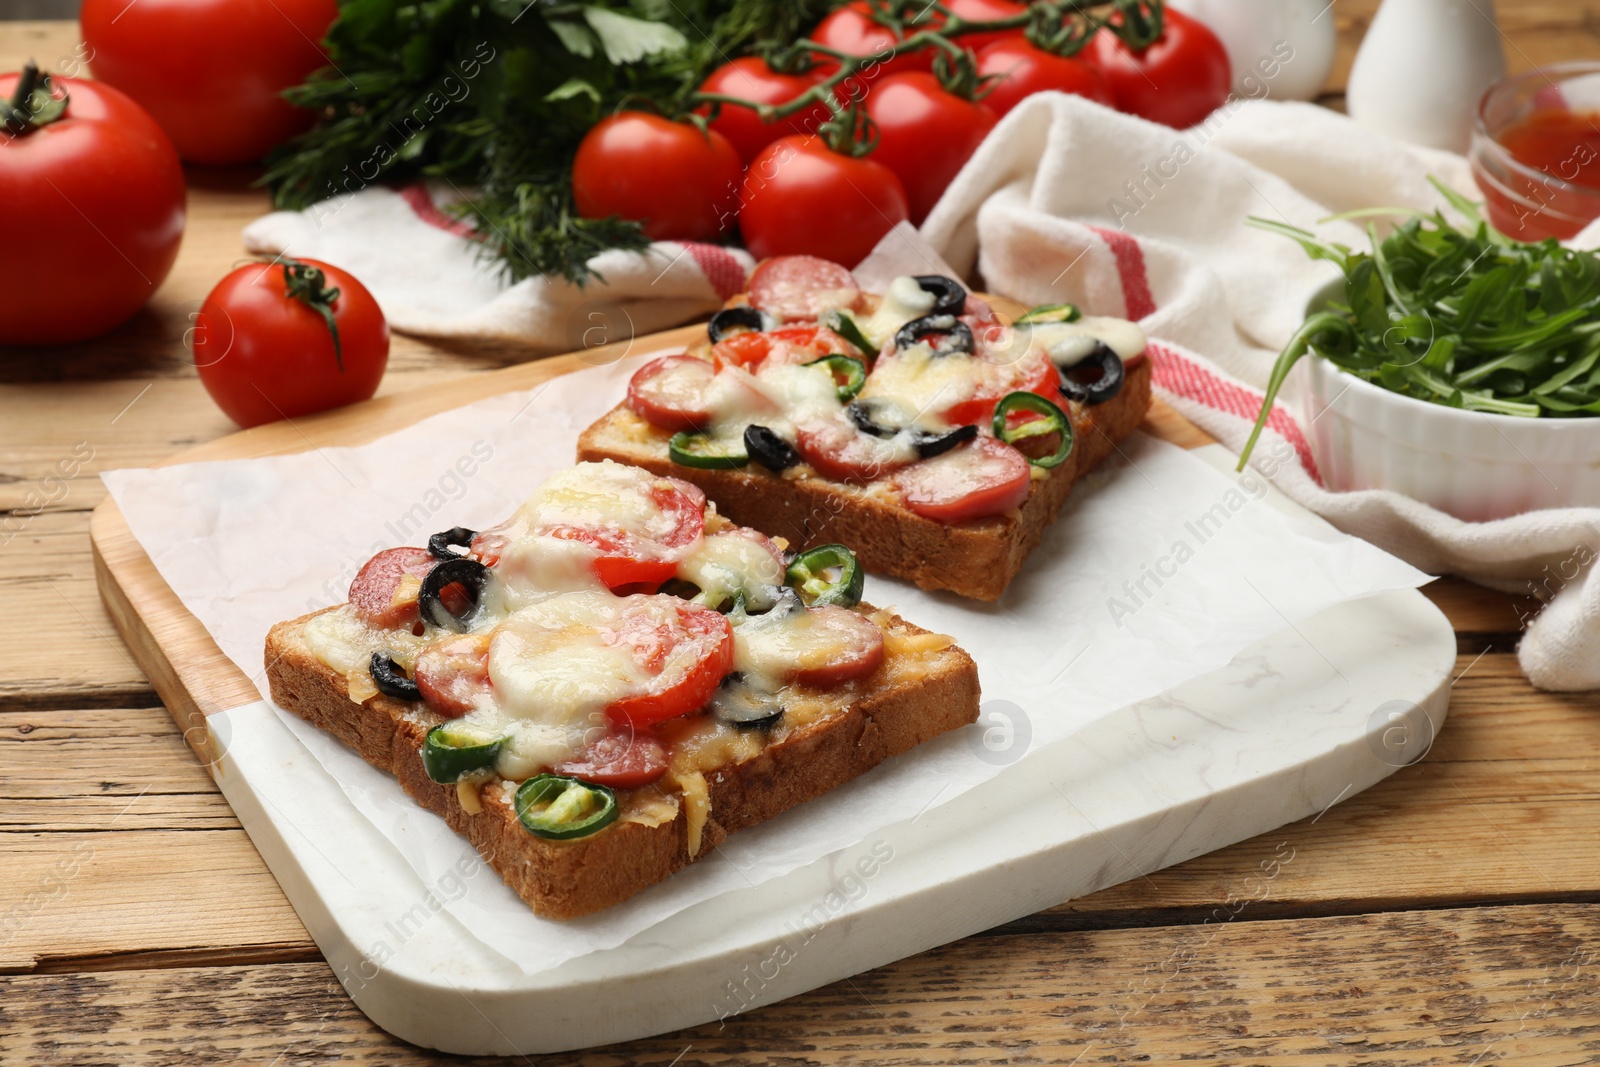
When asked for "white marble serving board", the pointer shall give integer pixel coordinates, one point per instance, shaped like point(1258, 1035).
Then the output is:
point(1294, 724)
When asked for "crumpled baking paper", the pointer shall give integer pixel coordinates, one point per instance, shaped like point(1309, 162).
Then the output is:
point(1160, 569)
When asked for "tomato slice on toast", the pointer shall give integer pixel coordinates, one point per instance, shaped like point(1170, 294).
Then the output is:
point(802, 288)
point(984, 477)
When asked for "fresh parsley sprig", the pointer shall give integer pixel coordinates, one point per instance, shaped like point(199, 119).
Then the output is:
point(1467, 318)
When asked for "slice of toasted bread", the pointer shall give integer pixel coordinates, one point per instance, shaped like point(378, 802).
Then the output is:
point(925, 687)
point(973, 559)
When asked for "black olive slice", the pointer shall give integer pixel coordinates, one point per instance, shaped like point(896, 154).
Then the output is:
point(864, 414)
point(930, 444)
point(679, 588)
point(743, 707)
point(439, 544)
point(766, 722)
point(1099, 389)
point(467, 573)
point(729, 318)
point(768, 449)
point(957, 334)
point(951, 296)
point(390, 682)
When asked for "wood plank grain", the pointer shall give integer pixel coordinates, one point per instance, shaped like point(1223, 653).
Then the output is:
point(1495, 985)
point(85, 895)
point(1474, 609)
point(1503, 808)
point(57, 646)
point(103, 769)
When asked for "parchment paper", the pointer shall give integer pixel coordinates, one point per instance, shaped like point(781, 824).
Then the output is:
point(1159, 570)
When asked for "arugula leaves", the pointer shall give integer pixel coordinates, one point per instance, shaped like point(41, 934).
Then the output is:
point(1465, 318)
point(493, 96)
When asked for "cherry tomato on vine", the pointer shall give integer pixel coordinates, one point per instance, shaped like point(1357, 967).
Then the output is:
point(1179, 80)
point(1027, 70)
point(680, 181)
point(803, 198)
point(925, 134)
point(264, 348)
point(749, 78)
point(211, 71)
point(851, 29)
point(91, 211)
point(986, 11)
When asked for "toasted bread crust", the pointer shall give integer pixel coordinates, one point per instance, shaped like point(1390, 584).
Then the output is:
point(568, 879)
point(974, 559)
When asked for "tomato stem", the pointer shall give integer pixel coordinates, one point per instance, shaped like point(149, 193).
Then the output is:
point(34, 102)
point(1062, 27)
point(309, 285)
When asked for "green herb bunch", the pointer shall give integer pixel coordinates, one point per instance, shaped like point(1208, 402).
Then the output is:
point(1467, 318)
point(493, 97)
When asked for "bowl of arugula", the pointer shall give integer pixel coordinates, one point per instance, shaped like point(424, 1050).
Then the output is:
point(1453, 365)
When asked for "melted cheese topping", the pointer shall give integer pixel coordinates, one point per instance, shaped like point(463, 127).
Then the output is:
point(468, 793)
point(340, 639)
point(905, 300)
point(727, 564)
point(603, 494)
point(1069, 343)
point(780, 396)
point(359, 686)
point(650, 807)
point(696, 806)
point(772, 647)
point(536, 566)
point(705, 745)
point(916, 385)
point(552, 663)
point(801, 391)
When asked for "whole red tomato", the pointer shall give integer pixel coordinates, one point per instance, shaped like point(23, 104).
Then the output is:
point(1179, 80)
point(852, 30)
point(802, 198)
point(265, 353)
point(91, 213)
point(211, 71)
point(1027, 70)
point(986, 11)
point(682, 183)
point(749, 78)
point(925, 134)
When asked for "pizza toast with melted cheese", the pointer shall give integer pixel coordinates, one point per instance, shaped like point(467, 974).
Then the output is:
point(916, 426)
point(598, 691)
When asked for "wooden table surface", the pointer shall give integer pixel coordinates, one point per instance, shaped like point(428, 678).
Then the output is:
point(1448, 915)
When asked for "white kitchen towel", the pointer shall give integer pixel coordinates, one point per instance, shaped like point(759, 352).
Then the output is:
point(430, 278)
point(1067, 201)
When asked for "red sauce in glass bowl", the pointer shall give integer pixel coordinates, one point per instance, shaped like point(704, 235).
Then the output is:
point(1563, 144)
point(1537, 160)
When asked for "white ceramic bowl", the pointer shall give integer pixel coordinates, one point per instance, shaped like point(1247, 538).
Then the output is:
point(1473, 465)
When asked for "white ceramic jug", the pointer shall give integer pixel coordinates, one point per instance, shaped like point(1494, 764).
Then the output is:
point(1279, 49)
point(1422, 69)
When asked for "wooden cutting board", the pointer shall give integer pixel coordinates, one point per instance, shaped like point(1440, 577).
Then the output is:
point(1288, 748)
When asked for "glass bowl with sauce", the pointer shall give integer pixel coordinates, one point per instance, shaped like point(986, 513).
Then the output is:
point(1536, 151)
